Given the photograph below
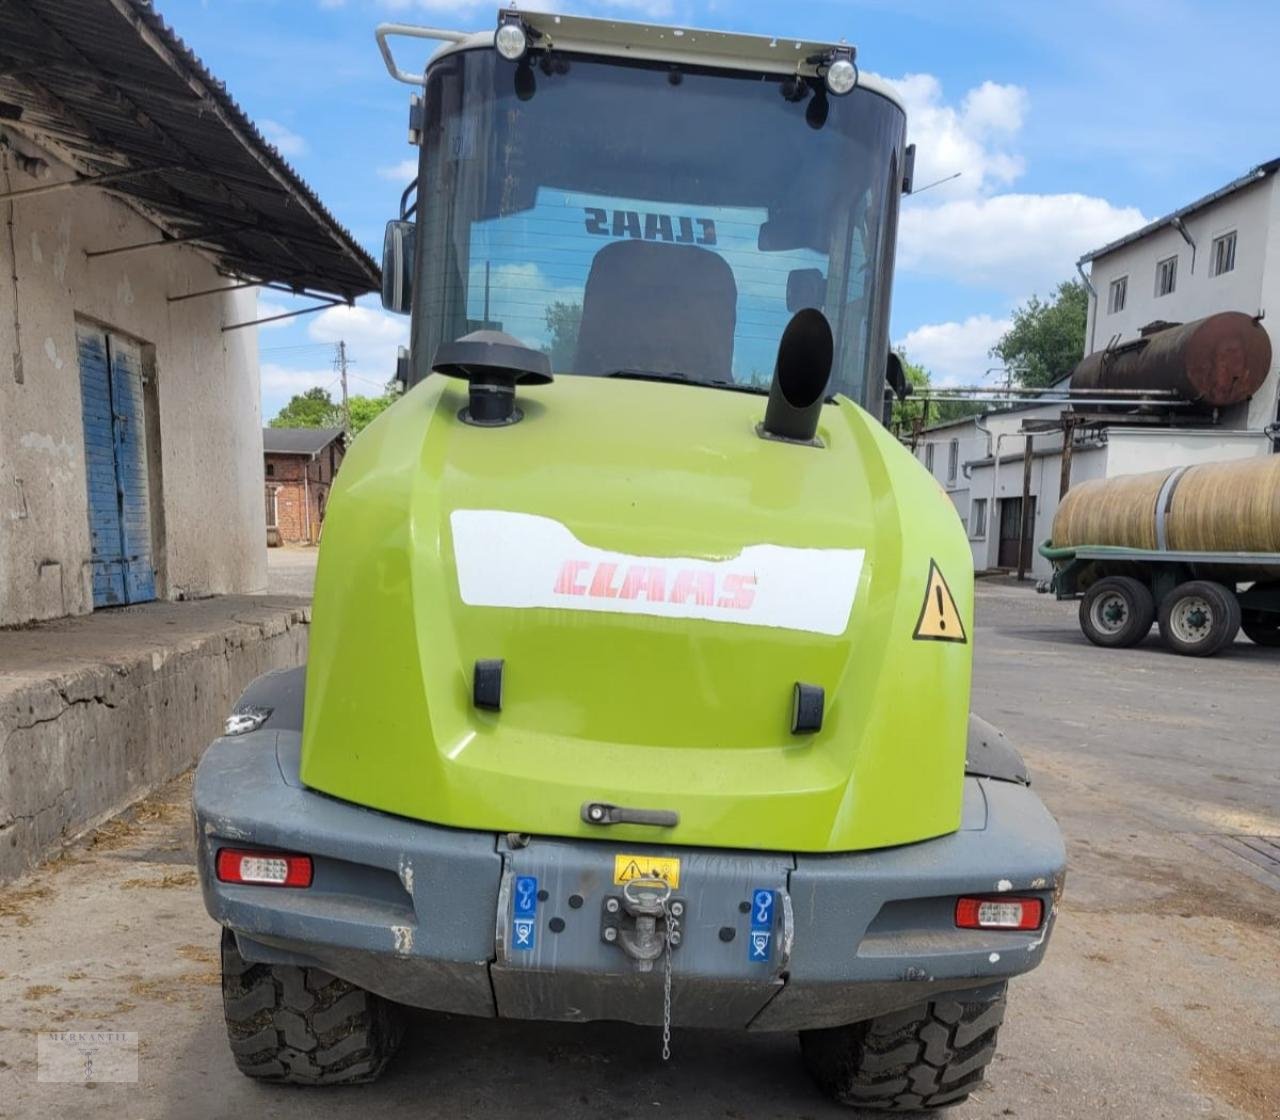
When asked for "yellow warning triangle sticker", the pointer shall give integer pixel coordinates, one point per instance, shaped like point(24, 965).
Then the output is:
point(939, 619)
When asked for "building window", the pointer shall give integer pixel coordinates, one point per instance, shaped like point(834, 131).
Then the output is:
point(1166, 276)
point(953, 460)
point(273, 502)
point(1115, 297)
point(978, 519)
point(928, 457)
point(1224, 254)
point(271, 470)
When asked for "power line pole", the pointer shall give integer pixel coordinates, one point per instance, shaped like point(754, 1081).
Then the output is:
point(342, 369)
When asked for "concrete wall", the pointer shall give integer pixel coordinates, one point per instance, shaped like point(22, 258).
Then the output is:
point(205, 400)
point(97, 712)
point(1252, 286)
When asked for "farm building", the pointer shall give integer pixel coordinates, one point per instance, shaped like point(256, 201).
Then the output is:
point(140, 211)
point(299, 465)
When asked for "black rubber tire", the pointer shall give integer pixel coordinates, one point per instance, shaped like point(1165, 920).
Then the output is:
point(304, 1026)
point(930, 1055)
point(1222, 626)
point(1262, 628)
point(1134, 598)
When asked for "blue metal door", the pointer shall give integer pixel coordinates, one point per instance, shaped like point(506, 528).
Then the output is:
point(116, 469)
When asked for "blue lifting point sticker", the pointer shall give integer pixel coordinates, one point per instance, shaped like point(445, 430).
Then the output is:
point(522, 928)
point(526, 912)
point(759, 945)
point(760, 942)
point(526, 895)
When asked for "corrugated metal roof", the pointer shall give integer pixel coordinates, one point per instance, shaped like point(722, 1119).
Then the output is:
point(298, 441)
point(106, 86)
point(1247, 180)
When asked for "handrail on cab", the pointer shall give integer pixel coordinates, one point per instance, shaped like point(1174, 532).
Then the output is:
point(408, 31)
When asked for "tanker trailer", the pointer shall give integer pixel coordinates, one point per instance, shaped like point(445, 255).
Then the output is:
point(1195, 548)
point(1210, 364)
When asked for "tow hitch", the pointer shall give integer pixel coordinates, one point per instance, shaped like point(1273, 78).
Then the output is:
point(644, 921)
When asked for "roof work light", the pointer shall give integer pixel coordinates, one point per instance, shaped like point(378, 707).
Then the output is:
point(511, 39)
point(842, 74)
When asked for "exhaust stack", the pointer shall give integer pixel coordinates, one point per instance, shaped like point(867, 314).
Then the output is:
point(799, 379)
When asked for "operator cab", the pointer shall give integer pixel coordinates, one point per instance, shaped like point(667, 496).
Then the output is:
point(649, 203)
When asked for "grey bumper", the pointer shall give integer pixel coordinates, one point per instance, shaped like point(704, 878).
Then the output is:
point(427, 916)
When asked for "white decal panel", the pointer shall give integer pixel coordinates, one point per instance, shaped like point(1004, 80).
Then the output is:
point(523, 560)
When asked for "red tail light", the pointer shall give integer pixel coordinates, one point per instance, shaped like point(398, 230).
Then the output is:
point(999, 912)
point(263, 869)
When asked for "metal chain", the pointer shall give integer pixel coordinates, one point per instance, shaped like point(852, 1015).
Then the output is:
point(672, 931)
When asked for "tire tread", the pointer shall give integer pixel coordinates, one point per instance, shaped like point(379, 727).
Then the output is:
point(926, 1057)
point(304, 1026)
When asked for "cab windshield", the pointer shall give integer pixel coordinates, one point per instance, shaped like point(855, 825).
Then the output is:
point(640, 219)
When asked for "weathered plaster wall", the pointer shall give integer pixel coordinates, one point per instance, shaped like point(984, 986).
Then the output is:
point(206, 393)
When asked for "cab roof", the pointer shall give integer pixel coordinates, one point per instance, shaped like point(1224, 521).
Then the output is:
point(659, 43)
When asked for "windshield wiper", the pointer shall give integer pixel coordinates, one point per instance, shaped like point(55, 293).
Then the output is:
point(682, 379)
point(629, 374)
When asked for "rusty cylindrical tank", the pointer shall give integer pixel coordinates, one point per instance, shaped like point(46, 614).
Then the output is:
point(1213, 362)
point(1212, 507)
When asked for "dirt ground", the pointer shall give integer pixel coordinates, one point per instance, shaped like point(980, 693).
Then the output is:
point(1160, 996)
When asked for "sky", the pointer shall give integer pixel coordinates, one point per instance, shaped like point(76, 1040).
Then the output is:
point(1070, 125)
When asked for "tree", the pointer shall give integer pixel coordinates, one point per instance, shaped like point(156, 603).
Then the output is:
point(365, 410)
point(905, 413)
point(312, 409)
point(1047, 338)
point(563, 321)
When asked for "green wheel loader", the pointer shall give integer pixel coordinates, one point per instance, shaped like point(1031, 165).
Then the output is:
point(638, 685)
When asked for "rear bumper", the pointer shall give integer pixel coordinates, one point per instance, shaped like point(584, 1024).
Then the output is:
point(426, 915)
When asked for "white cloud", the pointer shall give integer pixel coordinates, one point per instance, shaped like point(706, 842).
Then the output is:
point(1014, 243)
point(403, 172)
point(266, 309)
point(286, 141)
point(955, 353)
point(372, 337)
point(283, 381)
point(973, 139)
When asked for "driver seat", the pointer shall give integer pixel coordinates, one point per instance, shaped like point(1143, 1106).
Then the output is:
point(661, 307)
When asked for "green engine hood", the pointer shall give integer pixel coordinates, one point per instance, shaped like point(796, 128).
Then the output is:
point(656, 578)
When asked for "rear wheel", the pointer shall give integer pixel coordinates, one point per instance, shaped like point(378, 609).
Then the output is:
point(1199, 618)
point(302, 1025)
point(930, 1055)
point(1117, 612)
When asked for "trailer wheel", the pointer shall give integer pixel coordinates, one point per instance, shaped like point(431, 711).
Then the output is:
point(1198, 618)
point(1117, 612)
point(302, 1025)
point(1262, 628)
point(930, 1055)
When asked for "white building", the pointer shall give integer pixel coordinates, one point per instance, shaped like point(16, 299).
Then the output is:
point(139, 209)
point(955, 454)
point(1220, 253)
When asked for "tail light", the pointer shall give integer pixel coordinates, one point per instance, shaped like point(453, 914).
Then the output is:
point(1000, 912)
point(264, 869)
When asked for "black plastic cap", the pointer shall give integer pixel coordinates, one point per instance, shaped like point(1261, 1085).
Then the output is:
point(486, 685)
point(807, 704)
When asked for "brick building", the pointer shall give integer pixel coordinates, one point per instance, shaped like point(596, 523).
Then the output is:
point(299, 465)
